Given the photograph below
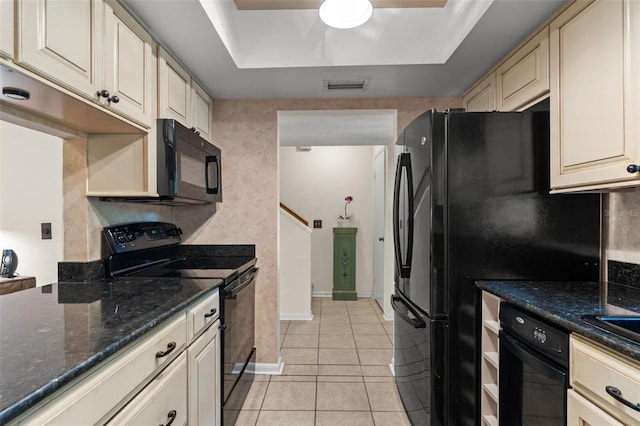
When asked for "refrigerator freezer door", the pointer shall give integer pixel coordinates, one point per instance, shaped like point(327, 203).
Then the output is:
point(420, 364)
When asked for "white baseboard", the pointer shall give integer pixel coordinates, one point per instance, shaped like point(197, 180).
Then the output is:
point(388, 317)
point(264, 368)
point(393, 372)
point(296, 317)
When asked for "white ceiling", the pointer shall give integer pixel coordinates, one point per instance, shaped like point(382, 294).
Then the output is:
point(290, 53)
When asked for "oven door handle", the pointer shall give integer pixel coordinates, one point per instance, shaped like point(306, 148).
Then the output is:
point(524, 354)
point(232, 290)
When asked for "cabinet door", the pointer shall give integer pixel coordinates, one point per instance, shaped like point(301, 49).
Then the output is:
point(200, 111)
point(595, 62)
point(6, 28)
point(174, 89)
point(524, 77)
point(482, 97)
point(203, 360)
point(62, 40)
point(163, 401)
point(581, 412)
point(129, 65)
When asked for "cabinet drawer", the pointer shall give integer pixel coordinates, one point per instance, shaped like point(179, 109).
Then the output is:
point(164, 401)
point(593, 370)
point(99, 394)
point(202, 314)
point(581, 412)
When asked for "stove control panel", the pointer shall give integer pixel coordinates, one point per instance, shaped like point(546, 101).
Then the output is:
point(138, 236)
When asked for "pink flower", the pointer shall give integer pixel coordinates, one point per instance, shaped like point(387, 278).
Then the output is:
point(348, 199)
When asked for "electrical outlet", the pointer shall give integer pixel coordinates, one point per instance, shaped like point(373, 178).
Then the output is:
point(45, 231)
point(317, 224)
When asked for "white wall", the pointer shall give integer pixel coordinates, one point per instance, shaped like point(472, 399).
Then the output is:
point(314, 184)
point(30, 194)
point(294, 266)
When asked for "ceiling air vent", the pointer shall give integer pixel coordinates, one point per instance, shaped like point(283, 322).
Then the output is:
point(346, 84)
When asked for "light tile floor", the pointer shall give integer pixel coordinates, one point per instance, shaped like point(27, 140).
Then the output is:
point(336, 371)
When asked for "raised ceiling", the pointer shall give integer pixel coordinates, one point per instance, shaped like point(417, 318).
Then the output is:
point(315, 4)
point(291, 54)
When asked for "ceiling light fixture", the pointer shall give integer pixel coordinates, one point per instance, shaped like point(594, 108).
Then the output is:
point(344, 14)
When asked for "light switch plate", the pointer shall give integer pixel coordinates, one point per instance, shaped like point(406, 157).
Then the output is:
point(45, 231)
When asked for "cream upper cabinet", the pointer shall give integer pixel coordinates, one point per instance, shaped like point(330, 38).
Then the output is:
point(6, 28)
point(92, 47)
point(62, 39)
point(524, 76)
point(174, 89)
point(130, 65)
point(595, 64)
point(181, 98)
point(201, 111)
point(482, 96)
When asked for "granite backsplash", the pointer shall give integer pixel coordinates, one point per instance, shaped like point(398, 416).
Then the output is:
point(623, 273)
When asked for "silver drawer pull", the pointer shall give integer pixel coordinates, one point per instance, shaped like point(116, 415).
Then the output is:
point(170, 347)
point(171, 415)
point(617, 395)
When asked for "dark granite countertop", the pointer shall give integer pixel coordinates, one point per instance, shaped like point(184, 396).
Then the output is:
point(564, 303)
point(50, 335)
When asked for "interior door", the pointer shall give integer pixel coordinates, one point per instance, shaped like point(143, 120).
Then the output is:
point(378, 227)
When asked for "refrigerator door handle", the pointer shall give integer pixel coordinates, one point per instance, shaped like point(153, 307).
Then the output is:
point(404, 266)
point(417, 322)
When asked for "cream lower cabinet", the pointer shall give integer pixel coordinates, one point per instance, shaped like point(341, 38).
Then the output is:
point(170, 376)
point(203, 360)
point(581, 412)
point(6, 28)
point(98, 395)
point(595, 374)
point(163, 401)
point(595, 63)
point(181, 98)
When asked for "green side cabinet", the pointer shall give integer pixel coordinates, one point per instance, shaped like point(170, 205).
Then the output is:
point(344, 264)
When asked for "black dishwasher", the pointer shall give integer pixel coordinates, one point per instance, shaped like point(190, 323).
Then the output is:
point(534, 370)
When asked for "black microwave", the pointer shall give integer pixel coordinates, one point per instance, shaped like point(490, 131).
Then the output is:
point(188, 168)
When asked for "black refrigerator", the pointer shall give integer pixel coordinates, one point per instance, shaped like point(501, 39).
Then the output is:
point(471, 202)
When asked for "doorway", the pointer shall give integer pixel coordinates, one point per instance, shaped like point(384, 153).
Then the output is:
point(379, 165)
point(324, 156)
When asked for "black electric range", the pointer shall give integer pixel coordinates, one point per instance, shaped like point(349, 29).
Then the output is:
point(154, 250)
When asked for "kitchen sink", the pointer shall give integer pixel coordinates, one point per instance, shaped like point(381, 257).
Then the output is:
point(621, 325)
